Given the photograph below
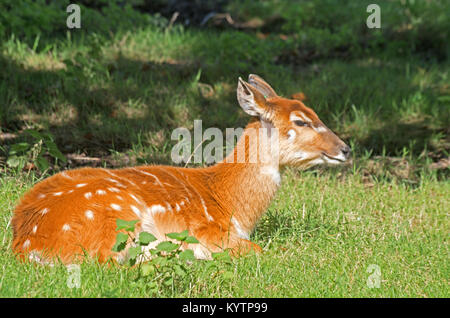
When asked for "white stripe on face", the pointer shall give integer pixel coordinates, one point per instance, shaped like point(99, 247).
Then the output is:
point(301, 155)
point(320, 128)
point(298, 115)
point(291, 134)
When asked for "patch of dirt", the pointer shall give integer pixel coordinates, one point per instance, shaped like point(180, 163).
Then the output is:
point(7, 136)
point(444, 163)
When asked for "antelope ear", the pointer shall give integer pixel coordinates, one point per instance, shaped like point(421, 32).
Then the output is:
point(250, 99)
point(262, 86)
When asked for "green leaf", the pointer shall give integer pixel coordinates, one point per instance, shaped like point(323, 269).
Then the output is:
point(221, 256)
point(133, 252)
point(178, 236)
point(153, 286)
point(42, 163)
point(19, 147)
point(47, 136)
point(13, 161)
point(191, 240)
point(147, 269)
point(160, 261)
point(54, 151)
point(131, 261)
point(445, 98)
point(198, 75)
point(35, 134)
point(126, 225)
point(228, 275)
point(179, 270)
point(121, 241)
point(187, 255)
point(168, 281)
point(167, 246)
point(153, 252)
point(145, 238)
point(210, 264)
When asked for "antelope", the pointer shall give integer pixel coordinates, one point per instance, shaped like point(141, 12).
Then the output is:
point(74, 213)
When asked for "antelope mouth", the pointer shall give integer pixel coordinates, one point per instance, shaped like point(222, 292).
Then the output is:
point(334, 159)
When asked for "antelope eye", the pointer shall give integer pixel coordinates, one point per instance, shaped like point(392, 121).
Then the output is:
point(301, 123)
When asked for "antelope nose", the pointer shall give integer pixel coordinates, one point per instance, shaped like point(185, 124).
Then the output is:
point(346, 151)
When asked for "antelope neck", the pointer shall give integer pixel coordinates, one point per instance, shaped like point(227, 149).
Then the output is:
point(245, 189)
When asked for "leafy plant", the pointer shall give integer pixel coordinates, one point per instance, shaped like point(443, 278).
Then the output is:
point(33, 151)
point(163, 264)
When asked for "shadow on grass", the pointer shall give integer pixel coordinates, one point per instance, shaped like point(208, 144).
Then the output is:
point(409, 139)
point(140, 98)
point(138, 103)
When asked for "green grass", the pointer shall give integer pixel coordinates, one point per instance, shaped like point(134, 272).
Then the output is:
point(320, 235)
point(118, 95)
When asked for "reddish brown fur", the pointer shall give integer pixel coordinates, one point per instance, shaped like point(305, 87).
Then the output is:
point(219, 205)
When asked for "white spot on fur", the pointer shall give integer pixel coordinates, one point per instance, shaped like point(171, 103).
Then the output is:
point(291, 134)
point(119, 177)
point(44, 211)
point(169, 207)
point(89, 214)
point(100, 192)
point(201, 252)
point(112, 189)
point(148, 222)
point(135, 210)
point(241, 233)
point(70, 191)
point(119, 197)
point(208, 216)
point(80, 185)
point(35, 256)
point(116, 207)
point(117, 183)
point(34, 229)
point(135, 199)
point(64, 174)
point(41, 196)
point(88, 195)
point(120, 258)
point(157, 208)
point(177, 207)
point(26, 244)
point(149, 174)
point(272, 172)
point(57, 193)
point(130, 182)
point(66, 227)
